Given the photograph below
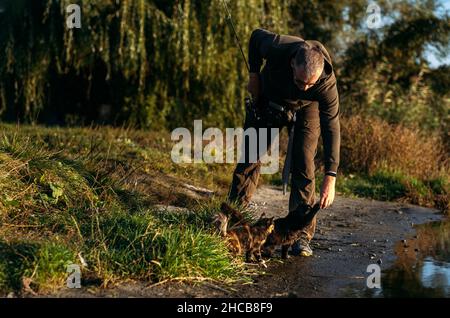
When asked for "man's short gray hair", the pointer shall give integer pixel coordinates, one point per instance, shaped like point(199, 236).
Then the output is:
point(310, 58)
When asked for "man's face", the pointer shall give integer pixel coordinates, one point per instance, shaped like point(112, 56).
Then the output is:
point(301, 80)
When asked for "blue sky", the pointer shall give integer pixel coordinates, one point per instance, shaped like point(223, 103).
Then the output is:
point(435, 61)
point(431, 57)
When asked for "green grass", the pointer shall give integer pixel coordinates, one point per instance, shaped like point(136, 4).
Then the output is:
point(395, 186)
point(380, 186)
point(387, 186)
point(147, 246)
point(44, 262)
point(71, 192)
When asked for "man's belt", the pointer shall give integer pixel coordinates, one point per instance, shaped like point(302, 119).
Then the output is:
point(289, 107)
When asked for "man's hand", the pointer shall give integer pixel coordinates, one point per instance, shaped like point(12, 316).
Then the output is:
point(253, 85)
point(327, 191)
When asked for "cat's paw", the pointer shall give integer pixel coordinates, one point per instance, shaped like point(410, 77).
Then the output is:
point(285, 256)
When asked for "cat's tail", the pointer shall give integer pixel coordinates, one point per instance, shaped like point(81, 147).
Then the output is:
point(221, 223)
point(312, 213)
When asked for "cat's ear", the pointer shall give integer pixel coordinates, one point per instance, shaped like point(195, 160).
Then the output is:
point(225, 207)
point(262, 215)
point(231, 212)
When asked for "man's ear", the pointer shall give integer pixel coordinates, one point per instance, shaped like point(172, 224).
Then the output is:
point(293, 63)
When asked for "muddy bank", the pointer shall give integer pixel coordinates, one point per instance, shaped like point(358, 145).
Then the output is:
point(352, 234)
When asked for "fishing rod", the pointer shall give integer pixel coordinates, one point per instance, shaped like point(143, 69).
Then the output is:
point(230, 22)
point(249, 106)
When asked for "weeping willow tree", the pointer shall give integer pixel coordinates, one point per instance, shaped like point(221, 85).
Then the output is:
point(150, 62)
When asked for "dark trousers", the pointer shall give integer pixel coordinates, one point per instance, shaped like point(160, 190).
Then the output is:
point(306, 136)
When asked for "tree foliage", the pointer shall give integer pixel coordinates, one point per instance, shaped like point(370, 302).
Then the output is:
point(163, 63)
point(154, 63)
point(387, 74)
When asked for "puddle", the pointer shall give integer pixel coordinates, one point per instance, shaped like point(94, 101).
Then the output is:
point(422, 268)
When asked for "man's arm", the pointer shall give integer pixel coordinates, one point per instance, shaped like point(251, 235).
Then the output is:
point(328, 98)
point(330, 127)
point(259, 44)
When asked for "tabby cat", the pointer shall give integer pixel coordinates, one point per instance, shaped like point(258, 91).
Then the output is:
point(243, 237)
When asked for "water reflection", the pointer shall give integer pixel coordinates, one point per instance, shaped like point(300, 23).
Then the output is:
point(436, 274)
point(422, 268)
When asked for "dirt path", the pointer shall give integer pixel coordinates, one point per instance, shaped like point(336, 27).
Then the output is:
point(350, 235)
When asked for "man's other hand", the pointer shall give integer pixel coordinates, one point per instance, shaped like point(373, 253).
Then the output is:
point(253, 85)
point(327, 192)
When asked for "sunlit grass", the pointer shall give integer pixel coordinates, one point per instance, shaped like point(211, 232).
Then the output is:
point(67, 195)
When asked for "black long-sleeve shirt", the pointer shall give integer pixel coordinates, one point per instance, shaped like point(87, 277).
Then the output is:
point(278, 84)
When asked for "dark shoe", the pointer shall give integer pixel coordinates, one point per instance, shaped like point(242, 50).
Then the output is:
point(301, 248)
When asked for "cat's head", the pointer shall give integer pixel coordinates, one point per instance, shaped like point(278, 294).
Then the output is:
point(304, 214)
point(233, 214)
